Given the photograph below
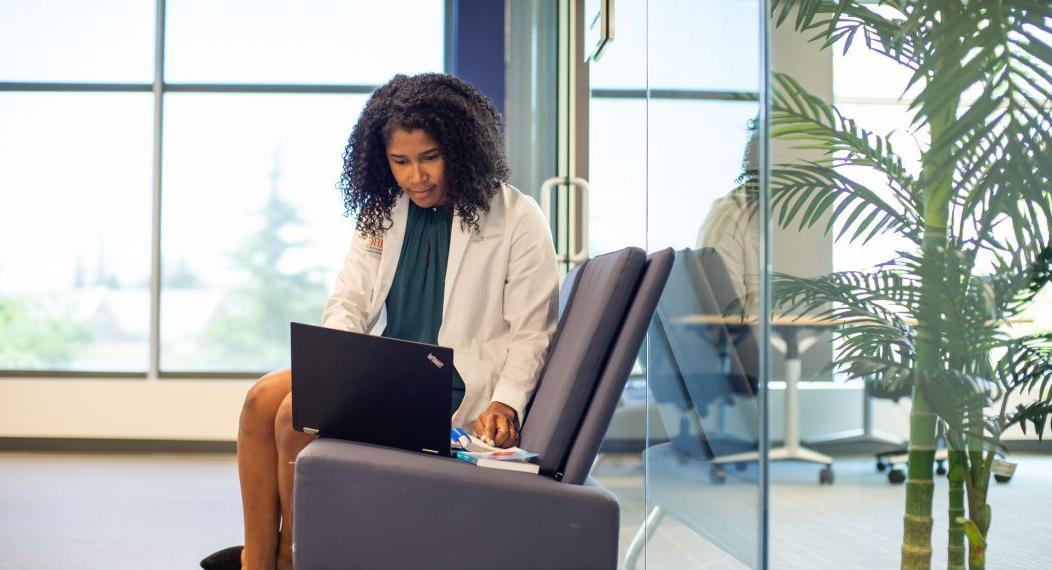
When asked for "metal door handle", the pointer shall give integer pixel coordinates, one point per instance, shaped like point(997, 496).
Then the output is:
point(578, 253)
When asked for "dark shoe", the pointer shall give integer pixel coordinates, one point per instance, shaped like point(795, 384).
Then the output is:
point(226, 559)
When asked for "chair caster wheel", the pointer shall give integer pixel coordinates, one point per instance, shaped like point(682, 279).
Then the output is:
point(1003, 470)
point(881, 466)
point(941, 469)
point(717, 475)
point(825, 476)
point(896, 476)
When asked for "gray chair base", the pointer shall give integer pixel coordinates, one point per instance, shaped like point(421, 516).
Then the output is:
point(363, 506)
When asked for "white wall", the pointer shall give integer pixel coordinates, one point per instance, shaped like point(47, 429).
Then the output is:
point(195, 410)
point(207, 410)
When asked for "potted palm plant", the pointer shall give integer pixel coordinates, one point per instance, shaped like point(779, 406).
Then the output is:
point(977, 217)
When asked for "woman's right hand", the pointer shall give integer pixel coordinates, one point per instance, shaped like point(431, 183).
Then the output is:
point(497, 425)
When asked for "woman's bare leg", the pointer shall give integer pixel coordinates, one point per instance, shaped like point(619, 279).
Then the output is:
point(290, 443)
point(256, 456)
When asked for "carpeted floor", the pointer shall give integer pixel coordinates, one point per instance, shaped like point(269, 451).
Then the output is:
point(854, 524)
point(166, 511)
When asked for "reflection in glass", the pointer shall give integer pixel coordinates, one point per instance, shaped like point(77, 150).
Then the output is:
point(703, 361)
point(74, 231)
point(77, 41)
point(695, 154)
point(703, 377)
point(319, 42)
point(253, 232)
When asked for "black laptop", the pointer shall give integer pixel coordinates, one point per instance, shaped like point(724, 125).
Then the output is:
point(371, 389)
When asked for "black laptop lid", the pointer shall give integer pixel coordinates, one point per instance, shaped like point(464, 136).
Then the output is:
point(371, 389)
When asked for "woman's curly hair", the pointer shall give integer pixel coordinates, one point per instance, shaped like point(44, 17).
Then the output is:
point(464, 123)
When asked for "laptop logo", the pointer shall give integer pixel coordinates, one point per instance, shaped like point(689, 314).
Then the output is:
point(434, 360)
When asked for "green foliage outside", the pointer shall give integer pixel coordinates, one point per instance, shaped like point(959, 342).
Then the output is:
point(978, 216)
point(251, 329)
point(32, 339)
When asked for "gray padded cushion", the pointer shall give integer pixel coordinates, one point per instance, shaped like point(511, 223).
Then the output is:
point(363, 506)
point(619, 365)
point(603, 291)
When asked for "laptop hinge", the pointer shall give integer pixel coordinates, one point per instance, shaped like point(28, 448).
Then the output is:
point(310, 431)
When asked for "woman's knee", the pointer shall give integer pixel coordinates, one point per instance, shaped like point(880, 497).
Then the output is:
point(264, 398)
point(283, 416)
point(284, 433)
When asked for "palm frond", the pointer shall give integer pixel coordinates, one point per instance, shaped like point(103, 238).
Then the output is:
point(1008, 200)
point(865, 305)
point(996, 48)
point(958, 398)
point(807, 193)
point(800, 116)
point(1026, 365)
point(847, 296)
point(842, 20)
point(1017, 279)
point(961, 318)
point(1037, 414)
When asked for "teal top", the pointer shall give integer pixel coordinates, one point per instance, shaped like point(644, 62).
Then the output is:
point(414, 304)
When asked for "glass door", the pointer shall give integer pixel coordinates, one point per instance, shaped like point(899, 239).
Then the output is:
point(672, 159)
point(653, 142)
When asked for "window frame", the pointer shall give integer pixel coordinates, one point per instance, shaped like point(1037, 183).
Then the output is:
point(159, 88)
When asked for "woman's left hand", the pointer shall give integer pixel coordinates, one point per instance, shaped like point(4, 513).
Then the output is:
point(497, 425)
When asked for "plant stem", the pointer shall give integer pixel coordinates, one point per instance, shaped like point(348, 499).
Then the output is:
point(917, 522)
point(955, 547)
point(979, 513)
point(979, 475)
point(936, 183)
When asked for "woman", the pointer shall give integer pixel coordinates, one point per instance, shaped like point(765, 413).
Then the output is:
point(455, 255)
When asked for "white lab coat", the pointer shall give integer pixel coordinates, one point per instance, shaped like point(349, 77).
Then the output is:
point(500, 304)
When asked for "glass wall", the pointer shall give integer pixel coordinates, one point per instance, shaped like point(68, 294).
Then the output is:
point(703, 107)
point(617, 161)
point(899, 374)
point(910, 144)
point(672, 163)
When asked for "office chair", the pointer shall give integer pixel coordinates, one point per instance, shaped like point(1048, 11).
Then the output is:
point(717, 363)
point(713, 367)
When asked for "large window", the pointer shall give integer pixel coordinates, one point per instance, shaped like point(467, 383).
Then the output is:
point(169, 199)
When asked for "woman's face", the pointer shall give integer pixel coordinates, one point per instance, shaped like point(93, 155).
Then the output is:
point(417, 165)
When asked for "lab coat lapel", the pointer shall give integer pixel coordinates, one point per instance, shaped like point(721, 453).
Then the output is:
point(459, 239)
point(392, 250)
